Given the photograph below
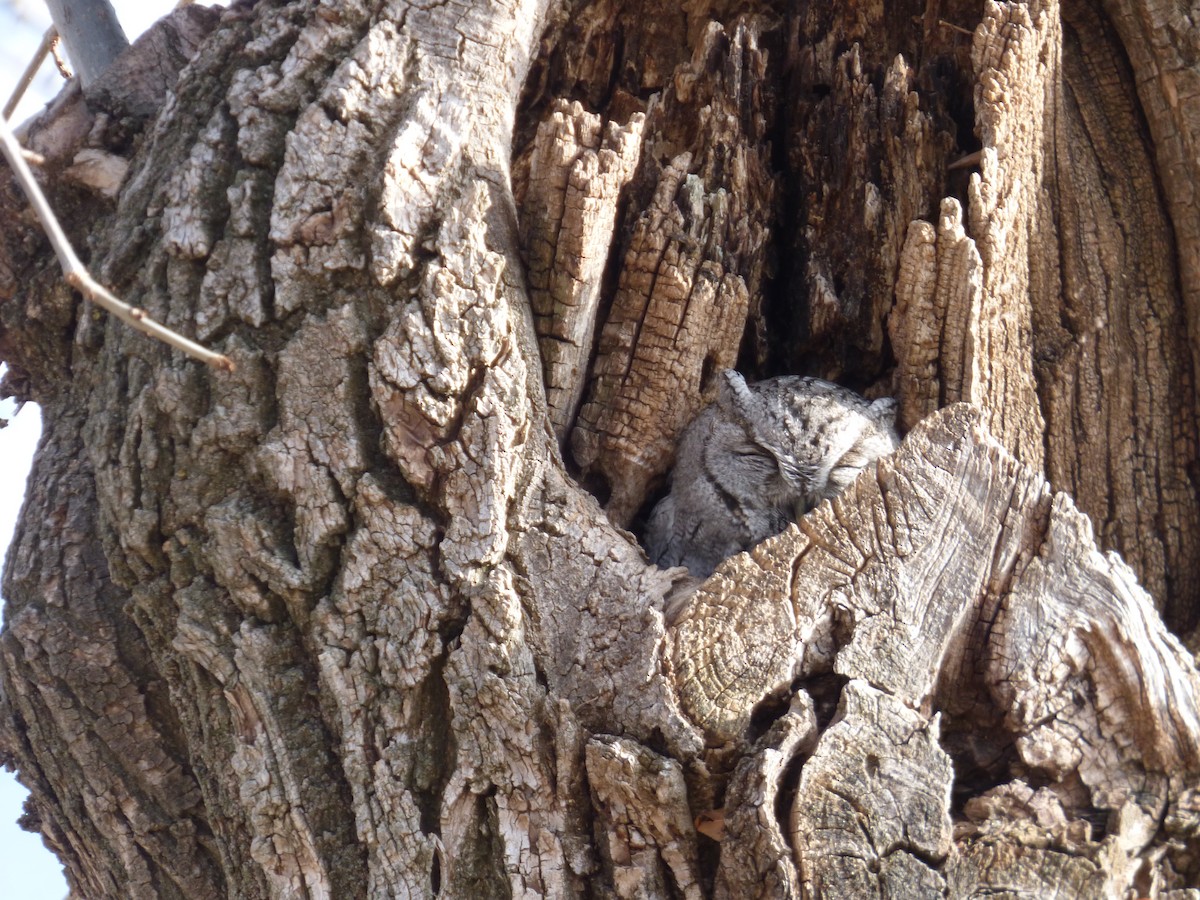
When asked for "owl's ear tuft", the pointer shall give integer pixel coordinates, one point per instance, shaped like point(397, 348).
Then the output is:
point(733, 394)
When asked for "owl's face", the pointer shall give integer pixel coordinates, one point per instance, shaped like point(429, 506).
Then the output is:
point(746, 471)
point(758, 457)
point(809, 439)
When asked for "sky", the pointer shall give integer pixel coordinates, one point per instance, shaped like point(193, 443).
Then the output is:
point(28, 871)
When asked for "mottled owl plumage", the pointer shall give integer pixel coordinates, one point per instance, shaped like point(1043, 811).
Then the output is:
point(759, 457)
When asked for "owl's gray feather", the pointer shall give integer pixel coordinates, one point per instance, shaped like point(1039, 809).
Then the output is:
point(759, 457)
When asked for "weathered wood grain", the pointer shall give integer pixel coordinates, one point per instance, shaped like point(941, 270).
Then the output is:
point(951, 564)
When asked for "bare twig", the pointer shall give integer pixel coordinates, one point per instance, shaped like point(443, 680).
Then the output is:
point(966, 162)
point(968, 32)
point(76, 274)
point(56, 50)
point(30, 70)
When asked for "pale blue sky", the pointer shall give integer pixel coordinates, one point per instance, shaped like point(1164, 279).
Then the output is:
point(28, 871)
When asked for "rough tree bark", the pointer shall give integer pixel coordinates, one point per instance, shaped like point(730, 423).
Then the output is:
point(363, 618)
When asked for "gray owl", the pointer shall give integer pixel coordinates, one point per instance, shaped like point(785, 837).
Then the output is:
point(759, 457)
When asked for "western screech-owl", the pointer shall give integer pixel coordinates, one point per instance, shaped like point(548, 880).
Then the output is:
point(758, 458)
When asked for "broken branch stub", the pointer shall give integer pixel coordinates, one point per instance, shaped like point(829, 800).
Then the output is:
point(951, 578)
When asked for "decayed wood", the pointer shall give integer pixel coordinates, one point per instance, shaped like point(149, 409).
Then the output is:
point(695, 256)
point(934, 326)
point(1064, 274)
point(962, 327)
point(759, 862)
point(577, 170)
point(642, 805)
point(1016, 54)
point(871, 815)
point(871, 95)
point(952, 565)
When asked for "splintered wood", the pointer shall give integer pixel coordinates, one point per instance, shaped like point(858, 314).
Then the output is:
point(934, 325)
point(867, 138)
point(1056, 306)
point(649, 845)
point(952, 565)
point(577, 170)
point(1016, 57)
point(694, 258)
point(676, 317)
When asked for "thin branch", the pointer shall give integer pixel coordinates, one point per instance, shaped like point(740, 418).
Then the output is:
point(26, 79)
point(76, 274)
point(56, 50)
point(965, 162)
point(968, 32)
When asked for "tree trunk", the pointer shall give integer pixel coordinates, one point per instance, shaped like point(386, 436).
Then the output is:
point(363, 618)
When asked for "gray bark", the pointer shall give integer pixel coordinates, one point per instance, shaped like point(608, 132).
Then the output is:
point(363, 618)
point(92, 33)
